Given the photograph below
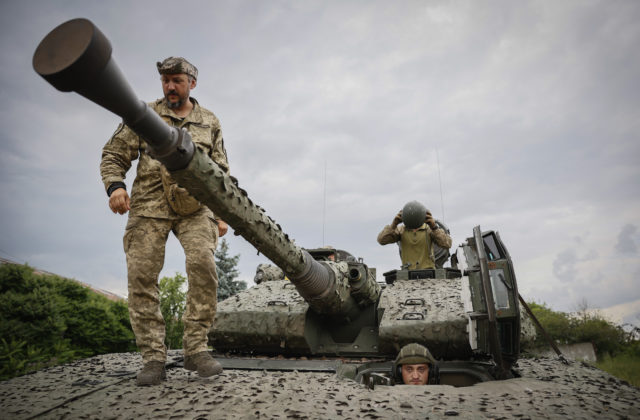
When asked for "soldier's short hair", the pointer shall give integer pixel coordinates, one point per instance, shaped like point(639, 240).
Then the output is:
point(177, 65)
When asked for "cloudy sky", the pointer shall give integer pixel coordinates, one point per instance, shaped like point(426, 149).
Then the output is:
point(522, 117)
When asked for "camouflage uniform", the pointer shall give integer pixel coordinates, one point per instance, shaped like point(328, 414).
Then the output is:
point(415, 244)
point(150, 221)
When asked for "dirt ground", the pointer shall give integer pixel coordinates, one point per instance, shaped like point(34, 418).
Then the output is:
point(103, 387)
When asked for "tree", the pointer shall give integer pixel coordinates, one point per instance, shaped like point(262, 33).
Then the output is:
point(605, 336)
point(172, 305)
point(586, 326)
point(46, 320)
point(557, 324)
point(226, 266)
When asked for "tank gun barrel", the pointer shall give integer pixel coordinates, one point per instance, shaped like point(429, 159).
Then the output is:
point(76, 56)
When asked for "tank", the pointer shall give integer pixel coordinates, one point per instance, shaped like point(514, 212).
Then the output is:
point(444, 309)
point(475, 333)
point(327, 306)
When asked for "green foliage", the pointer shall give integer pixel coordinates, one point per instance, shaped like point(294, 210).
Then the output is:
point(605, 336)
point(46, 320)
point(172, 305)
point(632, 348)
point(556, 324)
point(624, 366)
point(18, 357)
point(586, 327)
point(226, 266)
point(618, 351)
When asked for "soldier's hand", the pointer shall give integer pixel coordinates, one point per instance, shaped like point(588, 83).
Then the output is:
point(119, 201)
point(222, 228)
point(430, 221)
point(397, 220)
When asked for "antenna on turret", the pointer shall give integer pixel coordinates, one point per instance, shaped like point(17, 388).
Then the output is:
point(324, 200)
point(440, 181)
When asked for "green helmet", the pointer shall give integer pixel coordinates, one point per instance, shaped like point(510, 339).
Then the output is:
point(413, 214)
point(413, 354)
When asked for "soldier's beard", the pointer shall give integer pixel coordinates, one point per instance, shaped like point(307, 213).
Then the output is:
point(174, 105)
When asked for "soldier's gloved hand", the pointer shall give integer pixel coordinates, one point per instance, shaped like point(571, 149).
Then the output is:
point(222, 228)
point(397, 220)
point(430, 221)
point(119, 201)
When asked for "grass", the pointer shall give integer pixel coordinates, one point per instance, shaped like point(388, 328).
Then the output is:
point(623, 366)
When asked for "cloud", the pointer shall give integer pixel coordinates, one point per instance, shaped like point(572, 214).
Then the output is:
point(567, 263)
point(564, 266)
point(628, 240)
point(532, 107)
point(624, 313)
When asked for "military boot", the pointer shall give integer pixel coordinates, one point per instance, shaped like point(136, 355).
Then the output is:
point(152, 373)
point(203, 363)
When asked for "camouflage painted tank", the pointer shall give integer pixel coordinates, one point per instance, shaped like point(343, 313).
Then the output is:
point(443, 308)
point(330, 304)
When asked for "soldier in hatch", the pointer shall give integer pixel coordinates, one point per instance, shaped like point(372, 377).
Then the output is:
point(159, 206)
point(415, 236)
point(416, 366)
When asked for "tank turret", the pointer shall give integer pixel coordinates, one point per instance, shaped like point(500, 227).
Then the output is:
point(329, 303)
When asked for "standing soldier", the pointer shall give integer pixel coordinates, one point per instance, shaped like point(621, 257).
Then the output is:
point(159, 206)
point(416, 236)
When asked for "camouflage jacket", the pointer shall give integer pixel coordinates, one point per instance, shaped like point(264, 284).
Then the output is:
point(147, 193)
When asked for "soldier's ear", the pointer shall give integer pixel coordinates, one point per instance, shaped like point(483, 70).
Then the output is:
point(192, 83)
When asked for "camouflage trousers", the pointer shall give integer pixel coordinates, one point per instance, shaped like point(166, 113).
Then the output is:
point(144, 245)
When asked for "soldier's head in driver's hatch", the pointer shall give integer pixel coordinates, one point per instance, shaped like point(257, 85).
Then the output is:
point(414, 363)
